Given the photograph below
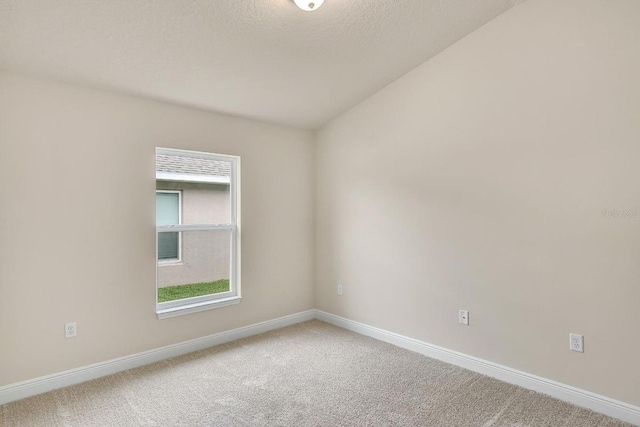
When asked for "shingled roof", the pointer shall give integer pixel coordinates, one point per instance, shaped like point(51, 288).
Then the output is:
point(192, 165)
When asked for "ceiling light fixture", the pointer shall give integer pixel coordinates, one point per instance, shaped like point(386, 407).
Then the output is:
point(309, 5)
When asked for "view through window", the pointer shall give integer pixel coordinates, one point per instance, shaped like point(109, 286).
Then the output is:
point(197, 229)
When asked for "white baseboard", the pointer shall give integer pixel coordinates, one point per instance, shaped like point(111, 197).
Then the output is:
point(586, 399)
point(21, 390)
point(567, 393)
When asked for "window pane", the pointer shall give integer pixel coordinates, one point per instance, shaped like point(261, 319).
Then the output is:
point(167, 208)
point(204, 268)
point(203, 203)
point(168, 246)
point(203, 182)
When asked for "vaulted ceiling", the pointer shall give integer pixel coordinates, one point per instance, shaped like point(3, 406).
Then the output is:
point(264, 59)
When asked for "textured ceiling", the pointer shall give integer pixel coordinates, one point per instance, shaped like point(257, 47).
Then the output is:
point(263, 59)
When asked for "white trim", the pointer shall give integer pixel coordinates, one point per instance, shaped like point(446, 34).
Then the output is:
point(595, 402)
point(192, 227)
point(192, 177)
point(236, 196)
point(21, 390)
point(202, 303)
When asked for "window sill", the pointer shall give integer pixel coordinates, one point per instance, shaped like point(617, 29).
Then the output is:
point(194, 308)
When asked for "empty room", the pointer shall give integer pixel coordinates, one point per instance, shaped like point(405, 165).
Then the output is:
point(320, 213)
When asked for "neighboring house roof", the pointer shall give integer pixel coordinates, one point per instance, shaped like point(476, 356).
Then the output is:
point(192, 165)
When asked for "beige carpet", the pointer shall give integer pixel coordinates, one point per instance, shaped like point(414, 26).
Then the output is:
point(311, 374)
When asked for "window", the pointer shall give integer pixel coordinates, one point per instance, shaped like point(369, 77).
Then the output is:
point(197, 231)
point(168, 213)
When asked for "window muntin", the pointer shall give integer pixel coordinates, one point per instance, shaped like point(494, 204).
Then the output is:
point(207, 230)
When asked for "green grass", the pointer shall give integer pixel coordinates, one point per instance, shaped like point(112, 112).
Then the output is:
point(172, 293)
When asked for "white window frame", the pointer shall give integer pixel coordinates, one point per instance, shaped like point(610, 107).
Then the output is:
point(222, 299)
point(179, 259)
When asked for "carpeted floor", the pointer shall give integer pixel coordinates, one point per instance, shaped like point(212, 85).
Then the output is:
point(310, 374)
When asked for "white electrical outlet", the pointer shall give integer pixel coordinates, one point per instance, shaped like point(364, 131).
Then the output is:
point(463, 317)
point(576, 343)
point(70, 330)
point(339, 289)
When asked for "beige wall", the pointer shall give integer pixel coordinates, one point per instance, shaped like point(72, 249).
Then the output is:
point(204, 254)
point(479, 180)
point(77, 191)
